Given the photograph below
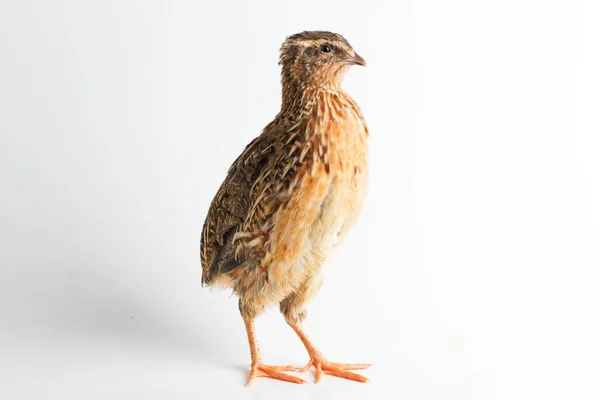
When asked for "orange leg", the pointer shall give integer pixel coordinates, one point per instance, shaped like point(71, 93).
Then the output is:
point(322, 365)
point(259, 369)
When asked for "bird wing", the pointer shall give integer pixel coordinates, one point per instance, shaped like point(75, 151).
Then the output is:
point(229, 207)
point(268, 189)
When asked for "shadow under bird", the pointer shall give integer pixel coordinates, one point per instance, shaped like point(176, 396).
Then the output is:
point(290, 198)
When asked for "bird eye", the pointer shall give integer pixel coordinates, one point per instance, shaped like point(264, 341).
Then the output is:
point(325, 48)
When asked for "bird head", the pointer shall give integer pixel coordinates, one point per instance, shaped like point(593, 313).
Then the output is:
point(317, 58)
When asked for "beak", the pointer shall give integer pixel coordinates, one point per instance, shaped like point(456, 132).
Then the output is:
point(357, 60)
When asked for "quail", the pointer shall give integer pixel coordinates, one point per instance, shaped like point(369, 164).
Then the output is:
point(290, 198)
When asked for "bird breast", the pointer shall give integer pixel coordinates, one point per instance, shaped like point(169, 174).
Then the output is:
point(329, 197)
point(342, 134)
point(324, 196)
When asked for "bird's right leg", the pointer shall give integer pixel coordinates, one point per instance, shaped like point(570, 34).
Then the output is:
point(259, 369)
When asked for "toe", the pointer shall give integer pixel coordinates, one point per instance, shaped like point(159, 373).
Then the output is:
point(270, 372)
point(319, 373)
point(342, 373)
point(351, 366)
point(287, 368)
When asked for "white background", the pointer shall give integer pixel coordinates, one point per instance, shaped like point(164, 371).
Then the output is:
point(473, 273)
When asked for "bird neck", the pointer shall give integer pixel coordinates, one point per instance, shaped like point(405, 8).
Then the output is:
point(299, 96)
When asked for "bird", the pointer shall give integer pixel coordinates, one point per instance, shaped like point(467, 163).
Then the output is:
point(290, 198)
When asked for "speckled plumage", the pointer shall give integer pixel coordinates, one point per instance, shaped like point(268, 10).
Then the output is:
point(296, 189)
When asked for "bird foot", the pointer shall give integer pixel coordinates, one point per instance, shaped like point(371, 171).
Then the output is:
point(275, 372)
point(323, 366)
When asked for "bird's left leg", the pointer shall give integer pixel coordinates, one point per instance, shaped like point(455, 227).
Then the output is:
point(322, 365)
point(293, 316)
